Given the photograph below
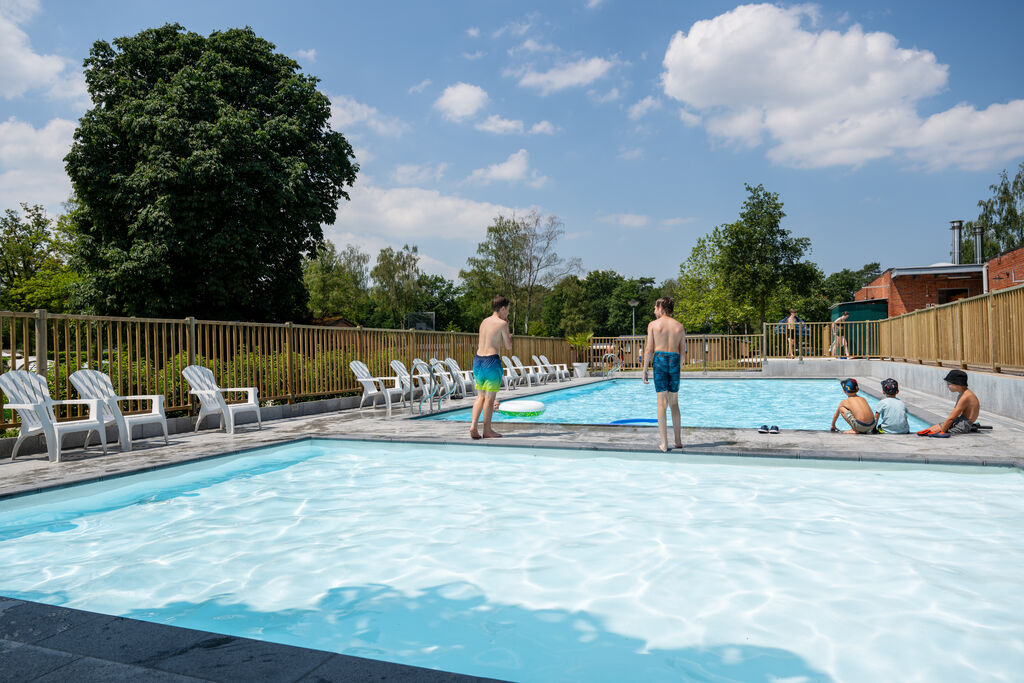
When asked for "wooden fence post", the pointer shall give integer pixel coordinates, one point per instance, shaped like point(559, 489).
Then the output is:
point(42, 358)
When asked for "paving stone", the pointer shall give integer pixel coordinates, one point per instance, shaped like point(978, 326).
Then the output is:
point(124, 640)
point(19, 661)
point(224, 658)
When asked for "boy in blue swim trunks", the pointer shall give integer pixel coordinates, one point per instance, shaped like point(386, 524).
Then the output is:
point(487, 369)
point(666, 343)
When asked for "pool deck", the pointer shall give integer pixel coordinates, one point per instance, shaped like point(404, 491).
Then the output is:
point(40, 642)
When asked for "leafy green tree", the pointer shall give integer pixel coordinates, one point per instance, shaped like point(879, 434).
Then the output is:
point(34, 268)
point(758, 256)
point(337, 281)
point(204, 172)
point(396, 285)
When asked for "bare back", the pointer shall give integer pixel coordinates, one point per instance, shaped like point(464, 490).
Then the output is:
point(494, 336)
point(666, 334)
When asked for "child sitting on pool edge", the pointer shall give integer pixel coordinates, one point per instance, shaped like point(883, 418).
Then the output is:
point(854, 409)
point(891, 416)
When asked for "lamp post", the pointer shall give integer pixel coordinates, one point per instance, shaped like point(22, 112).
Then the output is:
point(634, 303)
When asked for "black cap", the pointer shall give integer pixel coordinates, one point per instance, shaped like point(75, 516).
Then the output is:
point(958, 377)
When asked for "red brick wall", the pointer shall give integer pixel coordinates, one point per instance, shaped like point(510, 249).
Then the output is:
point(1003, 269)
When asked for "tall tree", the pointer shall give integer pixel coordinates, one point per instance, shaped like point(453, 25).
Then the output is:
point(336, 281)
point(758, 256)
point(204, 172)
point(396, 284)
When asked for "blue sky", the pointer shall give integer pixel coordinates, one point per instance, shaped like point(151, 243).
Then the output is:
point(637, 123)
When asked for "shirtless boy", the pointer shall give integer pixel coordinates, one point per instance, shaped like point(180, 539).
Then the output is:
point(487, 370)
point(855, 410)
point(666, 342)
point(966, 410)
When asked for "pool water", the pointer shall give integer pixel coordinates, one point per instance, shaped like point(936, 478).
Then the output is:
point(739, 403)
point(547, 565)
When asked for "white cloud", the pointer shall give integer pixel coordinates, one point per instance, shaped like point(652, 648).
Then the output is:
point(513, 170)
point(626, 220)
point(542, 128)
point(23, 70)
point(640, 109)
point(421, 86)
point(473, 32)
point(461, 101)
point(347, 112)
point(413, 174)
point(472, 56)
point(756, 75)
point(575, 74)
point(609, 96)
point(496, 124)
point(631, 154)
point(307, 55)
point(32, 163)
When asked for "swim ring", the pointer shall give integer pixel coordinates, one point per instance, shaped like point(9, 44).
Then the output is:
point(521, 408)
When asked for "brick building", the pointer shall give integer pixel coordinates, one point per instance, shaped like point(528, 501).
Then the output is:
point(908, 289)
point(1006, 270)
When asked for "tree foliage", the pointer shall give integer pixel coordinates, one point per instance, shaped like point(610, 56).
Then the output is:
point(204, 172)
point(34, 268)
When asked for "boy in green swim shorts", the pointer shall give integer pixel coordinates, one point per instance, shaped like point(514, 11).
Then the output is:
point(487, 370)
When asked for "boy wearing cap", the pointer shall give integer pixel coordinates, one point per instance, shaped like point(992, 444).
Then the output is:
point(891, 416)
point(966, 410)
point(854, 409)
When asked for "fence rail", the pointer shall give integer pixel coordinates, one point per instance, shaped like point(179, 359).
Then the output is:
point(703, 351)
point(285, 362)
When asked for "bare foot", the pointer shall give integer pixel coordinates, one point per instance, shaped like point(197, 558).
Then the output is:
point(663, 448)
point(473, 434)
point(492, 435)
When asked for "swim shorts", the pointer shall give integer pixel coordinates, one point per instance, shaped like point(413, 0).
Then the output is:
point(666, 371)
point(857, 425)
point(487, 373)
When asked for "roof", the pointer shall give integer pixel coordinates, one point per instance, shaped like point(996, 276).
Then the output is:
point(940, 269)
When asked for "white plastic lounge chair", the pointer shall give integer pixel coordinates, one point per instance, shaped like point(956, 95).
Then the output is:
point(550, 371)
point(534, 373)
point(463, 378)
point(515, 376)
point(376, 387)
point(95, 384)
point(563, 368)
point(211, 398)
point(30, 396)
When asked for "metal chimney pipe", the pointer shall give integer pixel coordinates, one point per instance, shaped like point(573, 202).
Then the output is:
point(956, 227)
point(978, 231)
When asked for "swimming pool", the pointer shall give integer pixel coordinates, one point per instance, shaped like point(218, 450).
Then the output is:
point(739, 403)
point(547, 565)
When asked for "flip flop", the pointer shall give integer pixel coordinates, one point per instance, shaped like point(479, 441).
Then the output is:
point(774, 429)
point(940, 435)
point(763, 429)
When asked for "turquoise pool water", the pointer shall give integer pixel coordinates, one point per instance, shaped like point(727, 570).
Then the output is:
point(739, 403)
point(544, 565)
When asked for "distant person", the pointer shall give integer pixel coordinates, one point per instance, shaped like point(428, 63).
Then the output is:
point(891, 416)
point(839, 335)
point(487, 370)
point(791, 331)
point(854, 409)
point(966, 410)
point(666, 342)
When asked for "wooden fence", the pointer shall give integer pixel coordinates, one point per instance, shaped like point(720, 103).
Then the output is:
point(285, 362)
point(703, 351)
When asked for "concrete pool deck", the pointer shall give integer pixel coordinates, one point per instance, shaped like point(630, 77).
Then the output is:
point(41, 642)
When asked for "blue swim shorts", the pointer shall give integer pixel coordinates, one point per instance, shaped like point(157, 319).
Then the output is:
point(487, 373)
point(666, 371)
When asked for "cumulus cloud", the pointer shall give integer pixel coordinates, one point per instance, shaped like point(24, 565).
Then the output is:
point(461, 101)
point(574, 74)
point(348, 113)
point(515, 169)
point(626, 220)
point(640, 109)
point(414, 174)
point(32, 163)
point(23, 70)
point(761, 74)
